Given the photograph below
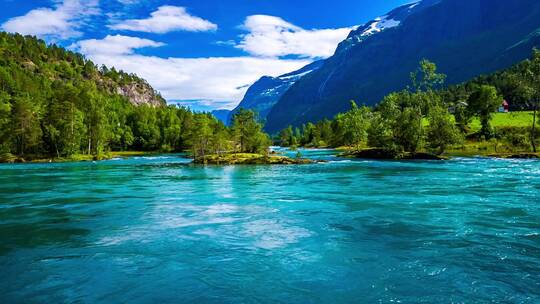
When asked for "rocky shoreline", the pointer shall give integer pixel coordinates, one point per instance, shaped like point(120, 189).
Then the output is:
point(517, 156)
point(381, 154)
point(272, 159)
point(13, 159)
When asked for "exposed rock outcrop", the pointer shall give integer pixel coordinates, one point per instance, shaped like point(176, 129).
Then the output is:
point(139, 93)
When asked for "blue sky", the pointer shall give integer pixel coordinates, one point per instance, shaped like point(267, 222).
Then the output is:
point(200, 53)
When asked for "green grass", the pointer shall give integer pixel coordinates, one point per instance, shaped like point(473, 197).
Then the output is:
point(485, 148)
point(494, 147)
point(501, 120)
point(473, 148)
point(71, 158)
point(130, 153)
point(9, 158)
point(84, 157)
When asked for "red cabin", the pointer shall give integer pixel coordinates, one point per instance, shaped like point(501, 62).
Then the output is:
point(505, 107)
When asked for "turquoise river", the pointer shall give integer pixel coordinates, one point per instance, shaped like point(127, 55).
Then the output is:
point(157, 230)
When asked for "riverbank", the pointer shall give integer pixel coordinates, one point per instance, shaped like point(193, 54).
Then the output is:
point(221, 159)
point(381, 154)
point(10, 158)
point(490, 149)
point(482, 149)
point(469, 148)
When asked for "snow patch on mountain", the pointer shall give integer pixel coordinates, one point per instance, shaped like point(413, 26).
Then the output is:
point(295, 77)
point(379, 25)
point(414, 4)
point(391, 20)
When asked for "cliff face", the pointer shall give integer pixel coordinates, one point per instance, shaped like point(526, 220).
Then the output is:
point(140, 94)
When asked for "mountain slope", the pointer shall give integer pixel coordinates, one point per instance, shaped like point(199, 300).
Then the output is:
point(265, 92)
point(465, 38)
point(222, 115)
point(54, 102)
point(42, 63)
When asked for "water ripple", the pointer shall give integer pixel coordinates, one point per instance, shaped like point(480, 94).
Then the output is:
point(149, 229)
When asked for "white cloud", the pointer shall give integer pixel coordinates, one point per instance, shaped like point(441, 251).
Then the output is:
point(218, 81)
point(166, 19)
point(128, 2)
point(114, 45)
point(62, 22)
point(271, 36)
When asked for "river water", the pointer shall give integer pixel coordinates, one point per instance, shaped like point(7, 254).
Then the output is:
point(156, 230)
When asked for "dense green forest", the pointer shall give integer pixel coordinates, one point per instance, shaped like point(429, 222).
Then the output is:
point(427, 116)
point(56, 103)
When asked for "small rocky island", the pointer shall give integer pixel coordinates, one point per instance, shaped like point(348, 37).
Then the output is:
point(382, 154)
point(249, 159)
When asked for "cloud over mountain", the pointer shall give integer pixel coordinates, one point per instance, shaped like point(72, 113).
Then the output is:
point(114, 45)
point(270, 36)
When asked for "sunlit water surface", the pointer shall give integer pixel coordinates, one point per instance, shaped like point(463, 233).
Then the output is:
point(155, 230)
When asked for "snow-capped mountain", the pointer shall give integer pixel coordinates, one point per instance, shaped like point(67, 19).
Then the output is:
point(263, 94)
point(266, 92)
point(380, 24)
point(465, 38)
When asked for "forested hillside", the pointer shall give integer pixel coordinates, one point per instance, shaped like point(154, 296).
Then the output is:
point(56, 103)
point(426, 117)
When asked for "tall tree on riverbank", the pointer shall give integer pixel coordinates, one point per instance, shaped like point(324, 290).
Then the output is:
point(248, 132)
point(398, 124)
point(5, 121)
point(63, 123)
point(26, 129)
point(200, 136)
point(287, 138)
point(483, 102)
point(350, 128)
point(442, 131)
point(533, 85)
point(404, 112)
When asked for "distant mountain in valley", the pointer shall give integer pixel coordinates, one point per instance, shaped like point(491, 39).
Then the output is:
point(263, 94)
